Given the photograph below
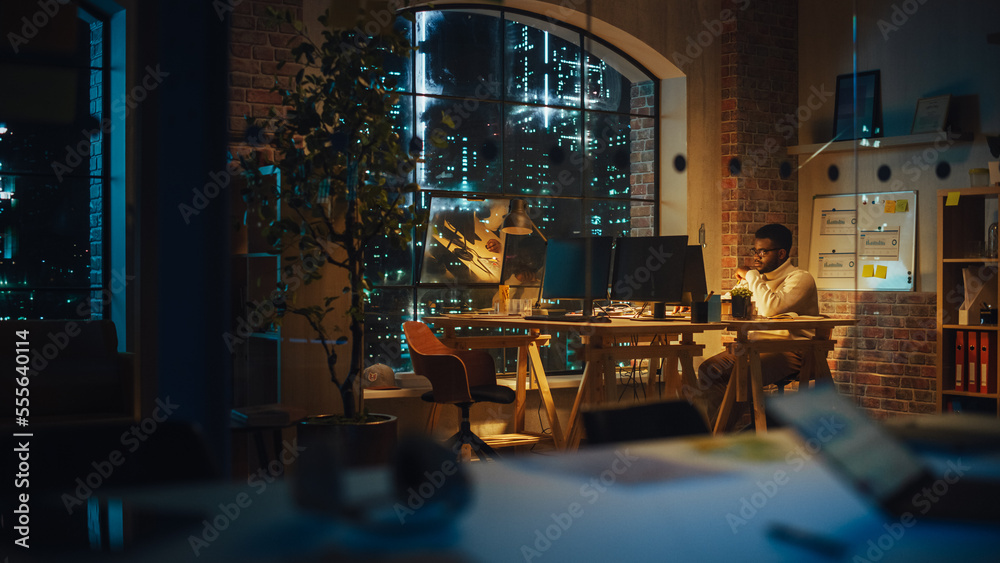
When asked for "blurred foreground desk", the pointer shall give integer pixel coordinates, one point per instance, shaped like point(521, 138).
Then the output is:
point(604, 344)
point(712, 498)
point(747, 372)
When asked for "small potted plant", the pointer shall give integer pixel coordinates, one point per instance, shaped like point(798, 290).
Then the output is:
point(742, 306)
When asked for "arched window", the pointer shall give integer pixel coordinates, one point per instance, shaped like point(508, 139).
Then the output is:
point(510, 105)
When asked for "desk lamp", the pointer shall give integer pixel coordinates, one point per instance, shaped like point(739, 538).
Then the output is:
point(517, 222)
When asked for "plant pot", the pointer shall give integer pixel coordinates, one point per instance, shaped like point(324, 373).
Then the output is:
point(356, 444)
point(329, 446)
point(742, 307)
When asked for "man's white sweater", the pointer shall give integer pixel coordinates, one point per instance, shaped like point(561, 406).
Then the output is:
point(786, 289)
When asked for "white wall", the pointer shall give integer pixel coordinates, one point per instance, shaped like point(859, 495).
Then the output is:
point(922, 48)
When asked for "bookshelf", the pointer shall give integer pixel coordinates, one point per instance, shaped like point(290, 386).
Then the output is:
point(963, 218)
point(253, 340)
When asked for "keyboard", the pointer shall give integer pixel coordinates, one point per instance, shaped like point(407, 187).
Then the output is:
point(568, 318)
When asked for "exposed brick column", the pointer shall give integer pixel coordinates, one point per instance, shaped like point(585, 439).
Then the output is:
point(255, 49)
point(642, 178)
point(759, 89)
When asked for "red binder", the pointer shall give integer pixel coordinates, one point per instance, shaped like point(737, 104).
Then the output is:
point(972, 349)
point(987, 362)
point(960, 360)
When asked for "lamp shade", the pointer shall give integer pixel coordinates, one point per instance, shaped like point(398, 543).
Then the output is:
point(516, 221)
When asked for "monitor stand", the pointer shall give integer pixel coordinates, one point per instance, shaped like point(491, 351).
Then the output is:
point(660, 314)
point(659, 310)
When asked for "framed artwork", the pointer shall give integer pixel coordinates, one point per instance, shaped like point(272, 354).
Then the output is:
point(931, 114)
point(857, 113)
point(464, 243)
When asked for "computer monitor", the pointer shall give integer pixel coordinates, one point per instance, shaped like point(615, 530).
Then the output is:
point(650, 269)
point(694, 288)
point(567, 262)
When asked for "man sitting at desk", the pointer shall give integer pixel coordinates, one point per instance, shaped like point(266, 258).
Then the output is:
point(778, 287)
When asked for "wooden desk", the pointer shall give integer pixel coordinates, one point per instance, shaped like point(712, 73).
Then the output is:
point(747, 371)
point(681, 497)
point(603, 345)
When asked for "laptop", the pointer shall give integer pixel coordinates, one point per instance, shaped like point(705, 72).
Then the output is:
point(880, 467)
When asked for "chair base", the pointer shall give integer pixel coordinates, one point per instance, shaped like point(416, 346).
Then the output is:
point(466, 437)
point(482, 450)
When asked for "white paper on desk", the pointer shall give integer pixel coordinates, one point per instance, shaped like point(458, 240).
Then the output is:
point(793, 315)
point(641, 469)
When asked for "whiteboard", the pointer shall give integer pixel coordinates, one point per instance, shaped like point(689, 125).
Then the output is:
point(864, 242)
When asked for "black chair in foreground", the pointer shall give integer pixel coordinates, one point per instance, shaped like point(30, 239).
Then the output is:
point(643, 421)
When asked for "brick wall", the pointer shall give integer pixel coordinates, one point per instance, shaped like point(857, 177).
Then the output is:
point(254, 51)
point(642, 180)
point(759, 87)
point(888, 360)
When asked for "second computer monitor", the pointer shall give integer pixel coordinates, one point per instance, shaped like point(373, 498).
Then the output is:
point(649, 269)
point(566, 265)
point(695, 288)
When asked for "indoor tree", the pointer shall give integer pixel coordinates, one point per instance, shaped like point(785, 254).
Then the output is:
point(344, 176)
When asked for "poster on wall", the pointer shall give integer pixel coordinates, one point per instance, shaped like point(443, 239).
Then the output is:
point(864, 241)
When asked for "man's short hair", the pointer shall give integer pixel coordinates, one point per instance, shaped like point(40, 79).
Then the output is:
point(778, 233)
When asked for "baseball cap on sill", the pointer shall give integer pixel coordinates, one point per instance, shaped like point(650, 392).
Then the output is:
point(378, 376)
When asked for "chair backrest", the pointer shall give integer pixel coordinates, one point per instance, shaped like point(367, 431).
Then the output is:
point(644, 421)
point(440, 364)
point(422, 343)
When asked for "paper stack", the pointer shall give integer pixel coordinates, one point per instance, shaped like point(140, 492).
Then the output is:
point(980, 287)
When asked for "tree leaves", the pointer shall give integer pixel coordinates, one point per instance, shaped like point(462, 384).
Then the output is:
point(344, 173)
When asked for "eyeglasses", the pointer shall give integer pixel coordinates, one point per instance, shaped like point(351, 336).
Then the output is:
point(759, 252)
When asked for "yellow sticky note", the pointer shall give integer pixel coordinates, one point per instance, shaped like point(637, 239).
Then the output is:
point(881, 271)
point(867, 271)
point(902, 205)
point(890, 206)
point(952, 198)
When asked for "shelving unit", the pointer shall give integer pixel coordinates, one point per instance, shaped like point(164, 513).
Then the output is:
point(962, 229)
point(877, 143)
point(256, 344)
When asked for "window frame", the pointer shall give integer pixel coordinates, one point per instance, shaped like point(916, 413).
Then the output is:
point(94, 302)
point(587, 199)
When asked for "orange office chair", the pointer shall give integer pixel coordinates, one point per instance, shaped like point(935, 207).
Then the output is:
point(458, 377)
